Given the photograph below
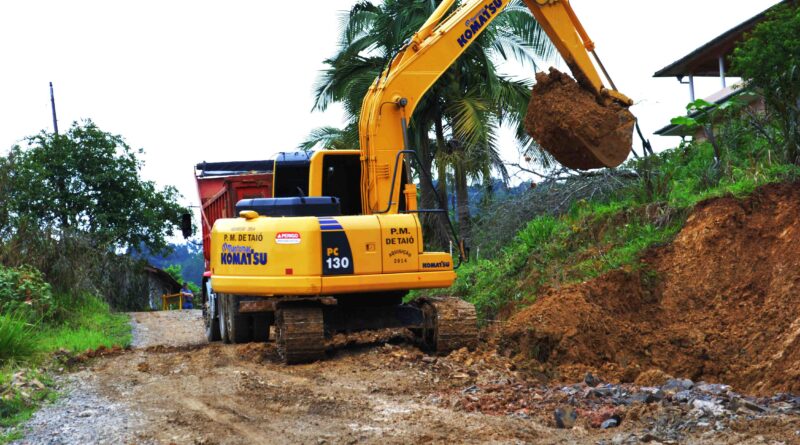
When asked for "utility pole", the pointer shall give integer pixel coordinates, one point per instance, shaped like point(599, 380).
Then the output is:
point(53, 104)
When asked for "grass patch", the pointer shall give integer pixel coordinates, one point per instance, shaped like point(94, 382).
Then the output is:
point(90, 325)
point(10, 436)
point(83, 322)
point(17, 339)
point(24, 392)
point(20, 404)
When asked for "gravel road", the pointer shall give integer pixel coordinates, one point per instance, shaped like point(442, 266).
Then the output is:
point(167, 328)
point(84, 415)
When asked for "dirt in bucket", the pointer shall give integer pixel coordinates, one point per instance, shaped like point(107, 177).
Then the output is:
point(574, 126)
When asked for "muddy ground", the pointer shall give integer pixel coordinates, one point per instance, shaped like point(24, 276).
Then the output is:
point(188, 392)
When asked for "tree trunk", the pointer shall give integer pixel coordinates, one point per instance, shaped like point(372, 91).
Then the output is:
point(488, 187)
point(712, 138)
point(427, 192)
point(462, 203)
point(441, 147)
point(793, 136)
point(443, 234)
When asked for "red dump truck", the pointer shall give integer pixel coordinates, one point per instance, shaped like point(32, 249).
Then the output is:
point(220, 186)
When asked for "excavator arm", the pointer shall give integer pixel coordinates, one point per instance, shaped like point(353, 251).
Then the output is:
point(394, 95)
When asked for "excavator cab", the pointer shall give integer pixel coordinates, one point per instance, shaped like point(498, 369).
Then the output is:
point(338, 173)
point(326, 173)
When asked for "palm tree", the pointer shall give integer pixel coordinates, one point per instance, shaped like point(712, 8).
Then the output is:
point(456, 124)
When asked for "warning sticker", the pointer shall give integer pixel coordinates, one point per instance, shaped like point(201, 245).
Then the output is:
point(287, 238)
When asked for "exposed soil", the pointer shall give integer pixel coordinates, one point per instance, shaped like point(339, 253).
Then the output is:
point(721, 303)
point(571, 124)
point(370, 393)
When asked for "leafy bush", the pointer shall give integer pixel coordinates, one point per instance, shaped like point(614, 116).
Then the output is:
point(23, 290)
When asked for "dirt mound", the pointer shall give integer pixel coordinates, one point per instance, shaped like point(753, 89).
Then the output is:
point(568, 122)
point(721, 304)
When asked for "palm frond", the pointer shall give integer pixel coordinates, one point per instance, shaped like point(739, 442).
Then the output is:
point(518, 21)
point(331, 138)
point(357, 22)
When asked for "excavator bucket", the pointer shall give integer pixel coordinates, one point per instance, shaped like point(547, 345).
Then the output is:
point(579, 129)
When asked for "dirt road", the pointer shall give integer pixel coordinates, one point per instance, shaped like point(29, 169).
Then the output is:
point(174, 388)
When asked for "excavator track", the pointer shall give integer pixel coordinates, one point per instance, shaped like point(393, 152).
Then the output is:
point(450, 324)
point(300, 334)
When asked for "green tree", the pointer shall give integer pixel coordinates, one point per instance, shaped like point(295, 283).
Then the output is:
point(703, 115)
point(456, 123)
point(769, 62)
point(5, 189)
point(176, 272)
point(331, 138)
point(87, 182)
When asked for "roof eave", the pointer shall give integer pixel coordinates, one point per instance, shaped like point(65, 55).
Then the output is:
point(680, 68)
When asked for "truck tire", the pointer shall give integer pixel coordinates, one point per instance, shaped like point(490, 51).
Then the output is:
point(238, 326)
point(261, 325)
point(223, 315)
point(211, 320)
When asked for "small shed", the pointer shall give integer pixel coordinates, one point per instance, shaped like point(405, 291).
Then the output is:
point(159, 283)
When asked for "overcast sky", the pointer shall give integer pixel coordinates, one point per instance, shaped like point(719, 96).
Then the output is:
point(193, 81)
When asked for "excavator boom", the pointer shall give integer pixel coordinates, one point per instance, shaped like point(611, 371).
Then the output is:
point(391, 100)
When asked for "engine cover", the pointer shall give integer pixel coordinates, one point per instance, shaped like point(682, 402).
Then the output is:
point(323, 255)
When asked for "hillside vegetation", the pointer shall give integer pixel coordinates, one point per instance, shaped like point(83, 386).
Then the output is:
point(36, 322)
point(596, 235)
point(573, 229)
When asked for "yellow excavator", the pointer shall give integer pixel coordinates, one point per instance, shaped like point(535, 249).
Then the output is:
point(340, 243)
